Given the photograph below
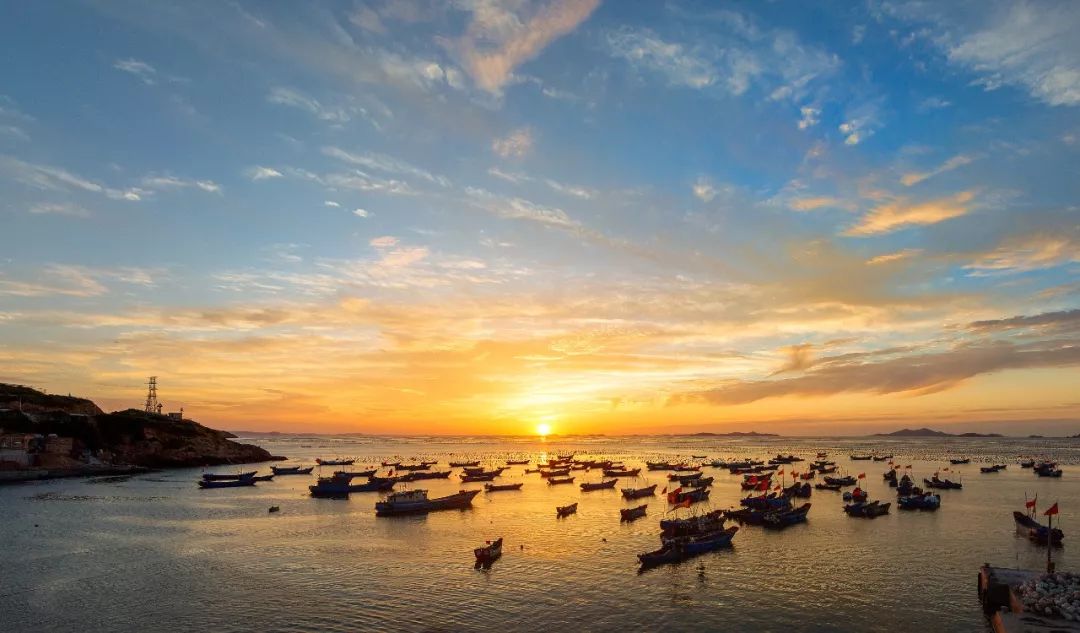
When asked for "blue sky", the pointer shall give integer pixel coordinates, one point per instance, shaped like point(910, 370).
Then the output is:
point(480, 214)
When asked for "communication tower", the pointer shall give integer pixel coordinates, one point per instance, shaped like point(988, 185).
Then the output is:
point(152, 405)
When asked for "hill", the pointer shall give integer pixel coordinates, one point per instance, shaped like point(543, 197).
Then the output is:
point(925, 432)
point(123, 437)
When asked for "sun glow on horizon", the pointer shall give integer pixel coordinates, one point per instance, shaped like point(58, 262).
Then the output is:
point(543, 430)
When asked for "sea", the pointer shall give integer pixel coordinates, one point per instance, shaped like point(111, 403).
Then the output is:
point(153, 552)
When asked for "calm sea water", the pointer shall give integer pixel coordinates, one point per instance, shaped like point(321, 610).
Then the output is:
point(154, 553)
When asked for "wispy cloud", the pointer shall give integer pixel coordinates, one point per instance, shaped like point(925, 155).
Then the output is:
point(49, 178)
point(914, 178)
point(1025, 253)
point(500, 37)
point(140, 69)
point(258, 172)
point(59, 208)
point(896, 256)
point(1027, 44)
point(384, 163)
point(169, 181)
point(902, 212)
point(681, 67)
point(515, 144)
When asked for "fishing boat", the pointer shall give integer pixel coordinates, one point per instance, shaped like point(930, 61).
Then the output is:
point(565, 511)
point(637, 493)
point(609, 472)
point(867, 510)
point(881, 458)
point(798, 490)
point(700, 456)
point(388, 464)
point(417, 502)
point(906, 486)
point(503, 487)
point(841, 481)
point(529, 471)
point(356, 473)
point(960, 460)
point(684, 478)
point(337, 462)
point(692, 495)
point(992, 469)
point(295, 470)
point(340, 487)
point(467, 478)
point(631, 514)
point(858, 494)
point(690, 526)
point(1047, 469)
point(226, 483)
point(861, 458)
point(263, 478)
point(674, 551)
point(785, 459)
point(228, 477)
point(488, 554)
point(1028, 463)
point(422, 475)
point(686, 468)
point(412, 467)
point(480, 470)
point(943, 484)
point(833, 487)
point(603, 485)
point(555, 481)
point(890, 477)
point(517, 462)
point(463, 464)
point(784, 518)
point(922, 501)
point(1035, 531)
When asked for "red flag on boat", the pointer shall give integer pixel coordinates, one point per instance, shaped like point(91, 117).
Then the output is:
point(752, 480)
point(1030, 504)
point(1052, 510)
point(686, 503)
point(391, 472)
point(780, 472)
point(862, 475)
point(664, 491)
point(763, 485)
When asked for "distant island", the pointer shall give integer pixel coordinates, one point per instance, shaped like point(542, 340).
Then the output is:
point(925, 432)
point(735, 434)
point(44, 436)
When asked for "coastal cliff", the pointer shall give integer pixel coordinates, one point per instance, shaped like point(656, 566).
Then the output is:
point(129, 437)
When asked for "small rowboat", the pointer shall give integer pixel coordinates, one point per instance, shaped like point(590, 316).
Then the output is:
point(295, 470)
point(555, 481)
point(610, 472)
point(517, 462)
point(226, 477)
point(478, 477)
point(603, 485)
point(488, 554)
point(339, 462)
point(503, 487)
point(461, 464)
point(263, 478)
point(564, 511)
point(229, 483)
point(957, 462)
point(637, 493)
point(630, 514)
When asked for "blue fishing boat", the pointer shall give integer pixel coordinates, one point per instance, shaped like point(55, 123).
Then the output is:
point(924, 501)
point(680, 549)
point(1036, 531)
point(867, 509)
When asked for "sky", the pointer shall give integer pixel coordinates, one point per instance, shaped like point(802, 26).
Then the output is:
point(482, 216)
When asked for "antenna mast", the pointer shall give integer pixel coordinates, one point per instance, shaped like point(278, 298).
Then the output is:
point(152, 405)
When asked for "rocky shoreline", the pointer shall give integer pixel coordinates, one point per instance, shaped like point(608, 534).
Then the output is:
point(43, 436)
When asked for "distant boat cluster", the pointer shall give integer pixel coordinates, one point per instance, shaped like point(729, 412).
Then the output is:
point(771, 502)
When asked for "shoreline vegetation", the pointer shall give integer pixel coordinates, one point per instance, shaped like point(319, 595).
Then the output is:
point(46, 436)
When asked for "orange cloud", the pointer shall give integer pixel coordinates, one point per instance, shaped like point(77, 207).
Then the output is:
point(901, 213)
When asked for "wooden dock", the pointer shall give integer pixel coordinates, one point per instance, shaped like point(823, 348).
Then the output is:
point(997, 592)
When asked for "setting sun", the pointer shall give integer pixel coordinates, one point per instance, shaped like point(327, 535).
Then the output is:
point(543, 429)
